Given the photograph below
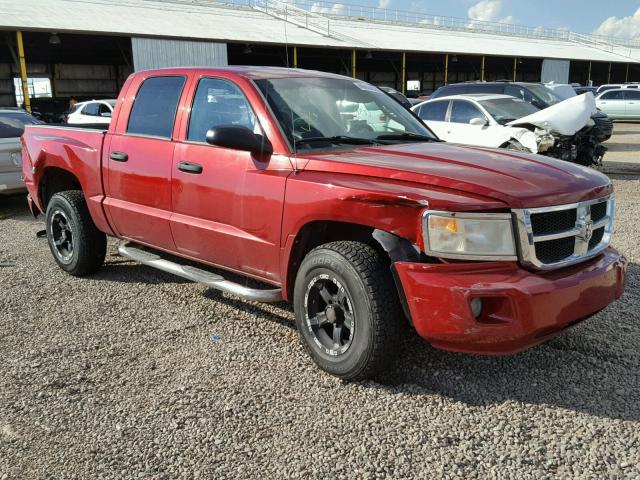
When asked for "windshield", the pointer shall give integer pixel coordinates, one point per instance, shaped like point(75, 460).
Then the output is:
point(335, 108)
point(548, 96)
point(504, 110)
point(12, 123)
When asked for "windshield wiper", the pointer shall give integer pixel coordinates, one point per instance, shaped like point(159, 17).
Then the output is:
point(413, 137)
point(338, 140)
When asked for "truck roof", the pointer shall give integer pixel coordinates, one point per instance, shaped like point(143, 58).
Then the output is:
point(252, 72)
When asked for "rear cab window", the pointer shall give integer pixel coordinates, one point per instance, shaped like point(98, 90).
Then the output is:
point(154, 109)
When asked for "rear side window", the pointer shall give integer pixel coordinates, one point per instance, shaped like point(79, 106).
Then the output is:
point(216, 103)
point(90, 109)
point(613, 95)
point(12, 124)
point(632, 95)
point(463, 112)
point(154, 109)
point(435, 111)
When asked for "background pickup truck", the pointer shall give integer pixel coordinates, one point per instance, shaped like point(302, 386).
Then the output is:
point(357, 215)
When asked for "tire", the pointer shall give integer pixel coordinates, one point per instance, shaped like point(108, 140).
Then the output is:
point(362, 294)
point(68, 218)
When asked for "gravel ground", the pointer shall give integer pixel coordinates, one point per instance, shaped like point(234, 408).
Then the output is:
point(135, 374)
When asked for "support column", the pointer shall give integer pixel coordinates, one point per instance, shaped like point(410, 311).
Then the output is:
point(482, 69)
point(353, 63)
point(23, 72)
point(446, 69)
point(589, 75)
point(404, 73)
point(295, 57)
point(609, 75)
point(626, 75)
point(515, 67)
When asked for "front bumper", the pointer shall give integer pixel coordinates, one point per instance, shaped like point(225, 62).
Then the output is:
point(11, 182)
point(520, 308)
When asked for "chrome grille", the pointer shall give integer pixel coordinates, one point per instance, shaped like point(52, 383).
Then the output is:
point(553, 237)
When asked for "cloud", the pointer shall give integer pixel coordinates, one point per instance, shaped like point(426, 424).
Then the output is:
point(384, 3)
point(625, 27)
point(336, 9)
point(488, 11)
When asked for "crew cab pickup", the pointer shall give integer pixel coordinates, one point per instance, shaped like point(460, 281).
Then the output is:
point(362, 221)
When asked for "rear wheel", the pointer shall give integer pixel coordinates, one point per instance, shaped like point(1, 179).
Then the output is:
point(347, 309)
point(77, 245)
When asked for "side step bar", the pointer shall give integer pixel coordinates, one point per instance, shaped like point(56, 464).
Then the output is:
point(199, 276)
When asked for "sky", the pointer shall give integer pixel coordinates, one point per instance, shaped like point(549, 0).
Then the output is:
point(619, 18)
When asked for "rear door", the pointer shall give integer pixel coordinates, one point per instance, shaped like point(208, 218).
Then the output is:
point(139, 157)
point(434, 115)
point(632, 103)
point(227, 204)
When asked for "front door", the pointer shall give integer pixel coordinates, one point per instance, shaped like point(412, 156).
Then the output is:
point(460, 130)
point(227, 204)
point(140, 159)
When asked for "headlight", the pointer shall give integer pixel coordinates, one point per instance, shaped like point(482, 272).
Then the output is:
point(471, 236)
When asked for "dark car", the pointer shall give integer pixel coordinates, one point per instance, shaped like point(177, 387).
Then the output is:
point(534, 93)
point(580, 90)
point(397, 96)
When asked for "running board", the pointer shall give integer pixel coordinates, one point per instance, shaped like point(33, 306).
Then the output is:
point(199, 276)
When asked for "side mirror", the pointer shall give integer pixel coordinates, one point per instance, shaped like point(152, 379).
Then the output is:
point(478, 122)
point(106, 114)
point(239, 138)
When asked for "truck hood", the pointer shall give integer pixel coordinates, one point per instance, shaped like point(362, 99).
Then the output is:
point(565, 118)
point(516, 179)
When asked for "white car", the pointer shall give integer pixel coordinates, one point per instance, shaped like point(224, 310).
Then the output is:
point(483, 120)
point(620, 104)
point(94, 111)
point(612, 86)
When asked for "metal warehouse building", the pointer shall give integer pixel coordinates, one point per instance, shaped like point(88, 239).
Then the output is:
point(88, 47)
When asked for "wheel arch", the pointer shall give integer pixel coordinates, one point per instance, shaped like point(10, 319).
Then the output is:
point(319, 232)
point(55, 180)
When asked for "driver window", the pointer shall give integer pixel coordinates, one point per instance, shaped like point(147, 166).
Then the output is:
point(463, 112)
point(216, 103)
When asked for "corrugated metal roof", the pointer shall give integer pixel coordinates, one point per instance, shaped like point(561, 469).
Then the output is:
point(246, 25)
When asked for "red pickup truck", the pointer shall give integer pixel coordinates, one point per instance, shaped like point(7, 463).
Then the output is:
point(323, 191)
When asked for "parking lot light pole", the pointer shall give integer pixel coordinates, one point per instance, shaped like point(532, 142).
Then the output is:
point(23, 72)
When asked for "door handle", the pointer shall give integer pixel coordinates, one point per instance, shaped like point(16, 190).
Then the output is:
point(119, 156)
point(189, 167)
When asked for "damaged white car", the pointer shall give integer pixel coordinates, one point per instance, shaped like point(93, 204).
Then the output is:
point(564, 130)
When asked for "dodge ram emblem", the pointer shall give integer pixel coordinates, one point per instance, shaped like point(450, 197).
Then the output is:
point(586, 230)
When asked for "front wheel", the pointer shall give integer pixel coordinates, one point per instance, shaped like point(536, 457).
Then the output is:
point(77, 245)
point(347, 309)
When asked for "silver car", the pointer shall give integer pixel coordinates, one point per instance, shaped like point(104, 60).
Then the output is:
point(12, 122)
point(620, 104)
